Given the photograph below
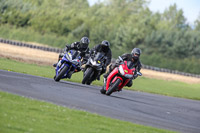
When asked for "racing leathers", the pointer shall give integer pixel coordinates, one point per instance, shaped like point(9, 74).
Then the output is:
point(82, 48)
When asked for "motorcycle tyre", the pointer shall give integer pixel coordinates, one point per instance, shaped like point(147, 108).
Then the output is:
point(60, 74)
point(87, 75)
point(113, 87)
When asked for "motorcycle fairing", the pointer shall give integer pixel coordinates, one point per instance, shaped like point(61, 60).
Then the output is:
point(71, 65)
point(116, 74)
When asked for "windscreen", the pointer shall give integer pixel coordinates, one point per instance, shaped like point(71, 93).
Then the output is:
point(99, 56)
point(75, 54)
point(130, 64)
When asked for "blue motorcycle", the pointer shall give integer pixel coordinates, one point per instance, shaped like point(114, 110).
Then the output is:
point(69, 63)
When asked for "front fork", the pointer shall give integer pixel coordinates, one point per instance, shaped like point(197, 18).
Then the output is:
point(59, 63)
point(104, 81)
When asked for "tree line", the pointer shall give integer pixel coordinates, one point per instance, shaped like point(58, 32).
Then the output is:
point(166, 39)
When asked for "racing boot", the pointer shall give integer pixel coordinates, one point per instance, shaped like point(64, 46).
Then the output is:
point(59, 58)
point(98, 76)
point(54, 65)
point(105, 78)
point(106, 75)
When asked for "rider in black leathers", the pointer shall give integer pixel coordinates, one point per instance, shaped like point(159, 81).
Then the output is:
point(134, 57)
point(105, 48)
point(82, 46)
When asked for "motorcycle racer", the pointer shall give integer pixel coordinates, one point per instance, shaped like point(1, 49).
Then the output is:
point(105, 48)
point(134, 58)
point(81, 46)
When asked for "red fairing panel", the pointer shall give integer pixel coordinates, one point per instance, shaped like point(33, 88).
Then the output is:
point(110, 76)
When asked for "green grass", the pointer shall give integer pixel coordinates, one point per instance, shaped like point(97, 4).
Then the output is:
point(29, 35)
point(19, 114)
point(169, 88)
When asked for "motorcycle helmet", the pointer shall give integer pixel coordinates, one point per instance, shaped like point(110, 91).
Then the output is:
point(136, 53)
point(105, 43)
point(84, 42)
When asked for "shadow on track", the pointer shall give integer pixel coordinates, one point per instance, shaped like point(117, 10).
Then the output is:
point(80, 85)
point(129, 100)
point(97, 88)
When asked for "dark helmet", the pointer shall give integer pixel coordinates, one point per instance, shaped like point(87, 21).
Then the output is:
point(105, 43)
point(84, 42)
point(136, 53)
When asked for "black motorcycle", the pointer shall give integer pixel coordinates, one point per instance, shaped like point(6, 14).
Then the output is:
point(93, 67)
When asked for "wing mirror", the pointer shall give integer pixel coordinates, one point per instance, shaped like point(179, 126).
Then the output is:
point(120, 58)
point(139, 73)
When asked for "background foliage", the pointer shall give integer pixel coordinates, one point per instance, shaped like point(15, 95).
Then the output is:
point(166, 39)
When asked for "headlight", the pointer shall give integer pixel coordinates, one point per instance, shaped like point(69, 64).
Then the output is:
point(93, 62)
point(128, 76)
point(75, 62)
point(121, 70)
point(68, 56)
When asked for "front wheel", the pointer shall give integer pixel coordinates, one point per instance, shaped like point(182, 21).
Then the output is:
point(113, 87)
point(60, 74)
point(87, 75)
point(103, 91)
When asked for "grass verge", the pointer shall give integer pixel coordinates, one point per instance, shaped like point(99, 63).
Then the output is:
point(29, 35)
point(169, 88)
point(19, 114)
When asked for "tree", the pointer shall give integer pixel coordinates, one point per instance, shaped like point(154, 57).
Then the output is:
point(172, 18)
point(197, 23)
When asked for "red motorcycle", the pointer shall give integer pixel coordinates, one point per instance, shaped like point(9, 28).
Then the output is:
point(119, 77)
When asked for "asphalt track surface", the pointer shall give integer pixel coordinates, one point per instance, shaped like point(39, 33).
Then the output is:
point(170, 113)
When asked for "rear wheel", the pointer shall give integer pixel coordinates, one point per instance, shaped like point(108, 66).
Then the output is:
point(87, 75)
point(60, 74)
point(113, 87)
